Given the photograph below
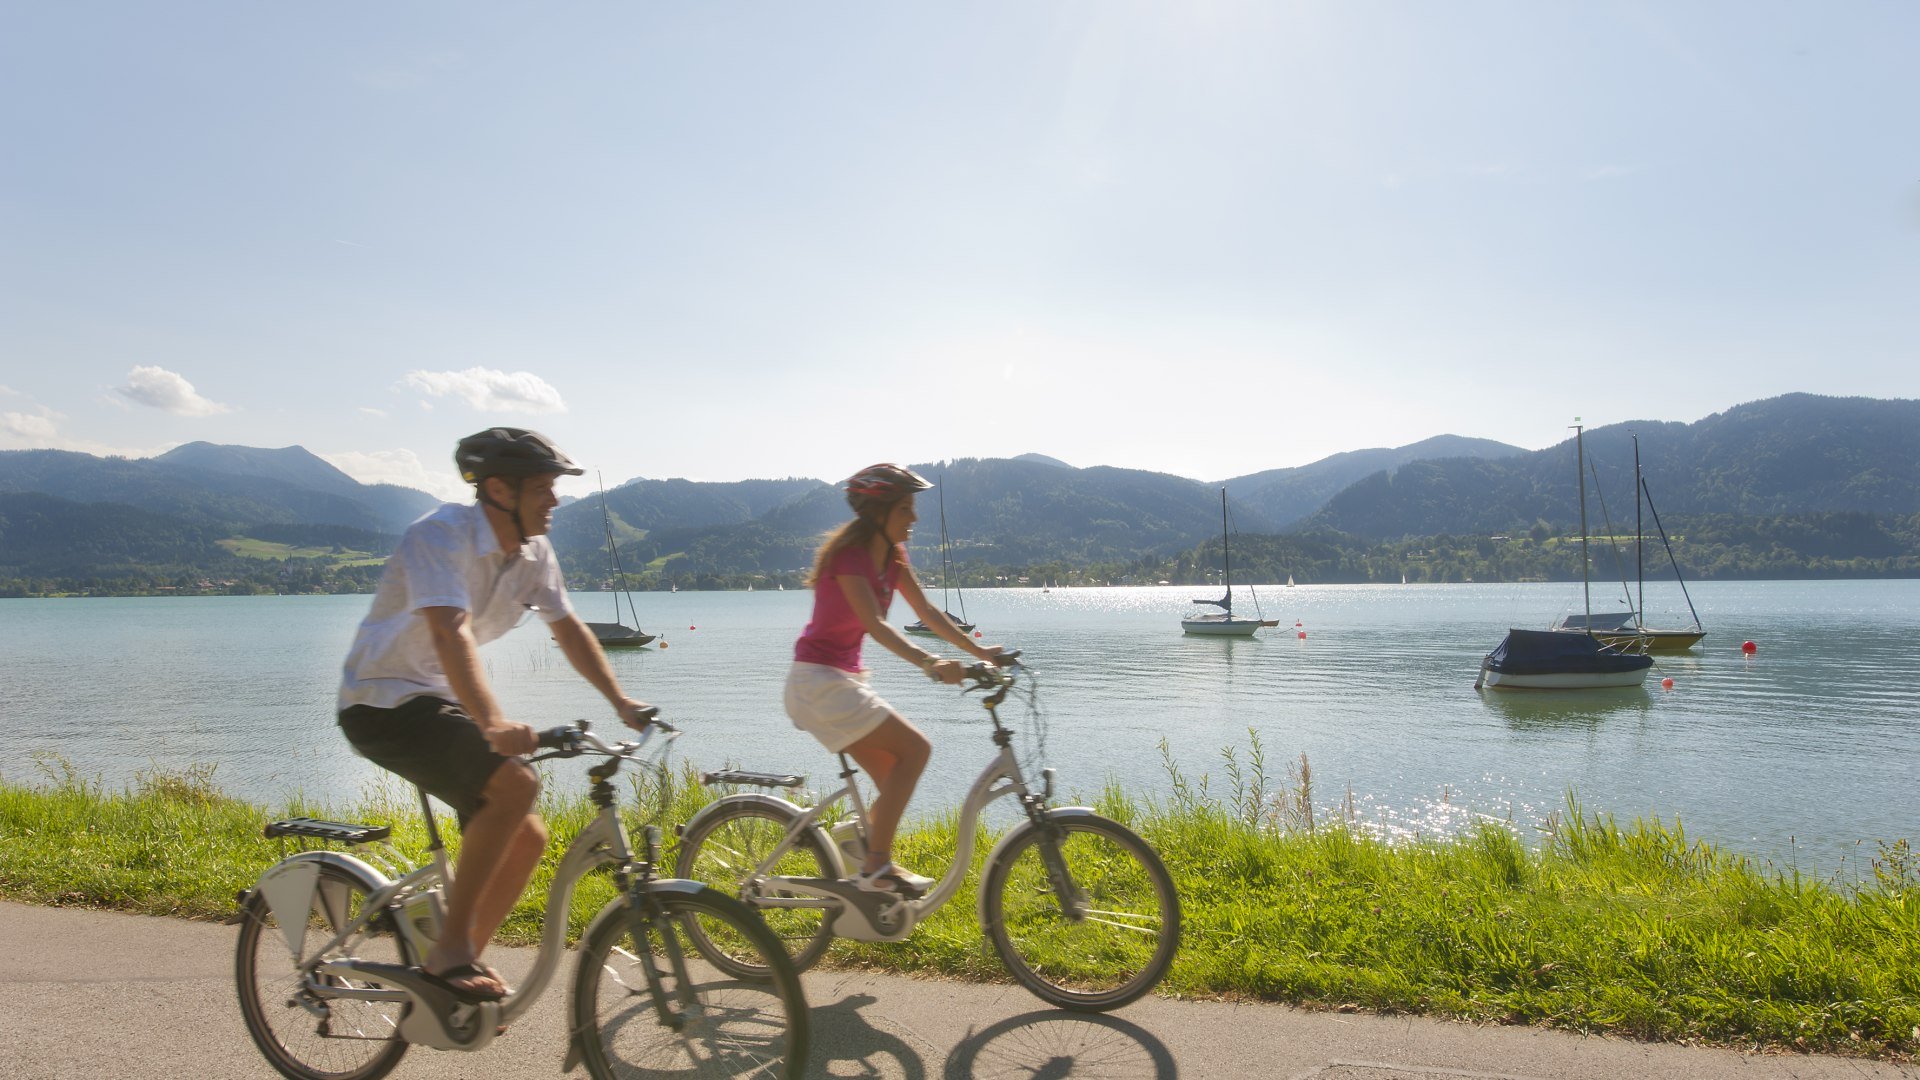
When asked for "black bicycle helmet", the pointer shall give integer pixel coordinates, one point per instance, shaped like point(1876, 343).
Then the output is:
point(513, 452)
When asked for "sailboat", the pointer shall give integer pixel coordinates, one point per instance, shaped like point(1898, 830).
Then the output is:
point(1628, 628)
point(946, 577)
point(1222, 623)
point(1554, 659)
point(616, 634)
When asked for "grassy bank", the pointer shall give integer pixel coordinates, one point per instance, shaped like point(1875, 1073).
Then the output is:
point(1634, 930)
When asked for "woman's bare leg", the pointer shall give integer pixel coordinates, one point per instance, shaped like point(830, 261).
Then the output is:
point(894, 755)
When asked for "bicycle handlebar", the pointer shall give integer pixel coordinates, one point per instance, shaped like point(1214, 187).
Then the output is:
point(1000, 674)
point(577, 738)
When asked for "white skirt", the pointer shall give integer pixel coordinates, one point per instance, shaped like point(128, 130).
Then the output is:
point(832, 705)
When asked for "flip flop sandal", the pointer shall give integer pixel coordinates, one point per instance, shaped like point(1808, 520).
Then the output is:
point(467, 994)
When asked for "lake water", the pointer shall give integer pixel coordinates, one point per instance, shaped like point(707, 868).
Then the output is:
point(1802, 754)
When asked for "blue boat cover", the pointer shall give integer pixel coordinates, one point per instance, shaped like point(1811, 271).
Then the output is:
point(1550, 652)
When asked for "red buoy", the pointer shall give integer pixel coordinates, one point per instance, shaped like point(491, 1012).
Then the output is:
point(1666, 684)
point(693, 628)
point(1749, 648)
point(976, 633)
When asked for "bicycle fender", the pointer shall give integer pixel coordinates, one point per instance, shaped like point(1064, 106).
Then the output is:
point(1058, 813)
point(288, 886)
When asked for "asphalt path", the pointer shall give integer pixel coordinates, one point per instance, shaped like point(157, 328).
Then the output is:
point(105, 995)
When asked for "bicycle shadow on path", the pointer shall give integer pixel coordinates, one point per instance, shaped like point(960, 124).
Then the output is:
point(850, 1040)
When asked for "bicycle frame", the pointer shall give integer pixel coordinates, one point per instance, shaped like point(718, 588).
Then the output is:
point(868, 916)
point(290, 886)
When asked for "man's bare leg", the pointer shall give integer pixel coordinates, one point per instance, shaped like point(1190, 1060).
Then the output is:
point(498, 853)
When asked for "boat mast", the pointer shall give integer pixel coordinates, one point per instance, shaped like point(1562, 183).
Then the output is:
point(1639, 543)
point(1226, 554)
point(1580, 470)
point(946, 564)
point(613, 557)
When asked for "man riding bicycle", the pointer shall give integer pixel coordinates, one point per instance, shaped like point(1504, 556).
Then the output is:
point(414, 698)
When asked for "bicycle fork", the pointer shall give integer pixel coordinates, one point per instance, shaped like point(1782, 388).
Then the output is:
point(647, 919)
point(1073, 903)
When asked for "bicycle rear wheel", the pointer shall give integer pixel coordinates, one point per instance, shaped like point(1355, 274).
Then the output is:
point(710, 1023)
point(1101, 948)
point(722, 850)
point(304, 1036)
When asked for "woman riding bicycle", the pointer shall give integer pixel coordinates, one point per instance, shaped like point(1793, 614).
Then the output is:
point(855, 574)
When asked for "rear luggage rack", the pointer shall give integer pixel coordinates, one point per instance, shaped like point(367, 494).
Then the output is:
point(316, 829)
point(752, 779)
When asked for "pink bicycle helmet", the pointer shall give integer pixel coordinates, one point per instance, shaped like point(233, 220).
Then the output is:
point(883, 483)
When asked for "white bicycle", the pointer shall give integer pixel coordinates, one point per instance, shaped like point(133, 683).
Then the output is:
point(330, 943)
point(1079, 908)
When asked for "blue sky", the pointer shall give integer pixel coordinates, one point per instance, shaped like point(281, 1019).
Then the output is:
point(722, 241)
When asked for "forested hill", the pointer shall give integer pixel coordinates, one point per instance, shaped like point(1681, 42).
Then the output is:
point(998, 510)
point(218, 485)
point(1797, 454)
point(1835, 480)
point(1286, 497)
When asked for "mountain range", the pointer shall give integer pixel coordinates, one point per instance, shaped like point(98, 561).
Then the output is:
point(67, 514)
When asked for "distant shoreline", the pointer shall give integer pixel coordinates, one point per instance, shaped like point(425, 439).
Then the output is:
point(1263, 586)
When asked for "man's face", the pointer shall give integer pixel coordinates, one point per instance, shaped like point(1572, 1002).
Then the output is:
point(532, 501)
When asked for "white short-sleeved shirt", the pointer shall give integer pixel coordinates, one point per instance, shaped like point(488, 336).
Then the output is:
point(450, 558)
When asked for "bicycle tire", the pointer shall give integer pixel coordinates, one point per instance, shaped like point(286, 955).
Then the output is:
point(353, 1040)
point(755, 1027)
point(1120, 951)
point(720, 851)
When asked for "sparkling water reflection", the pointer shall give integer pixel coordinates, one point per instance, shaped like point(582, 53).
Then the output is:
point(1797, 753)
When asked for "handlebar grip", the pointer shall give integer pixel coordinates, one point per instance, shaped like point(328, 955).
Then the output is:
point(558, 738)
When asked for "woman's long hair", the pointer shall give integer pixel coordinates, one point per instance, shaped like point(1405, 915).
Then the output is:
point(859, 532)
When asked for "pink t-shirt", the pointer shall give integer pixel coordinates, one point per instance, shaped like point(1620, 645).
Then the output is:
point(833, 637)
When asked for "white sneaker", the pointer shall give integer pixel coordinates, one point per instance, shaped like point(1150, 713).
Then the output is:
point(888, 879)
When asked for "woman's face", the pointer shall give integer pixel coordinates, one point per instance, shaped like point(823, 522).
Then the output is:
point(900, 519)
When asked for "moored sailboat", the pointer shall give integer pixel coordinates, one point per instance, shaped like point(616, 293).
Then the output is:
point(1222, 623)
point(617, 634)
point(946, 577)
point(1555, 659)
point(1629, 628)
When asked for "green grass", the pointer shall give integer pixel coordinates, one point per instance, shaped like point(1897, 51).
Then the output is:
point(268, 551)
point(1635, 930)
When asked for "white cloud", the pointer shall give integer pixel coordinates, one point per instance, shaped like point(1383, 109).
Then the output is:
point(7, 391)
point(402, 467)
point(40, 430)
point(488, 390)
point(34, 430)
point(166, 390)
point(378, 414)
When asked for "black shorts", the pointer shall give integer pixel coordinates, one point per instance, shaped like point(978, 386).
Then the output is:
point(430, 742)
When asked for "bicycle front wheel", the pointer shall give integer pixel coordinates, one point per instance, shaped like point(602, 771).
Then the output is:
point(705, 1022)
point(309, 1036)
point(1109, 942)
point(723, 850)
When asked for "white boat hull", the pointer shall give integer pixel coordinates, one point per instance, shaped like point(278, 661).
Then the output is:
point(1564, 680)
point(1221, 627)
